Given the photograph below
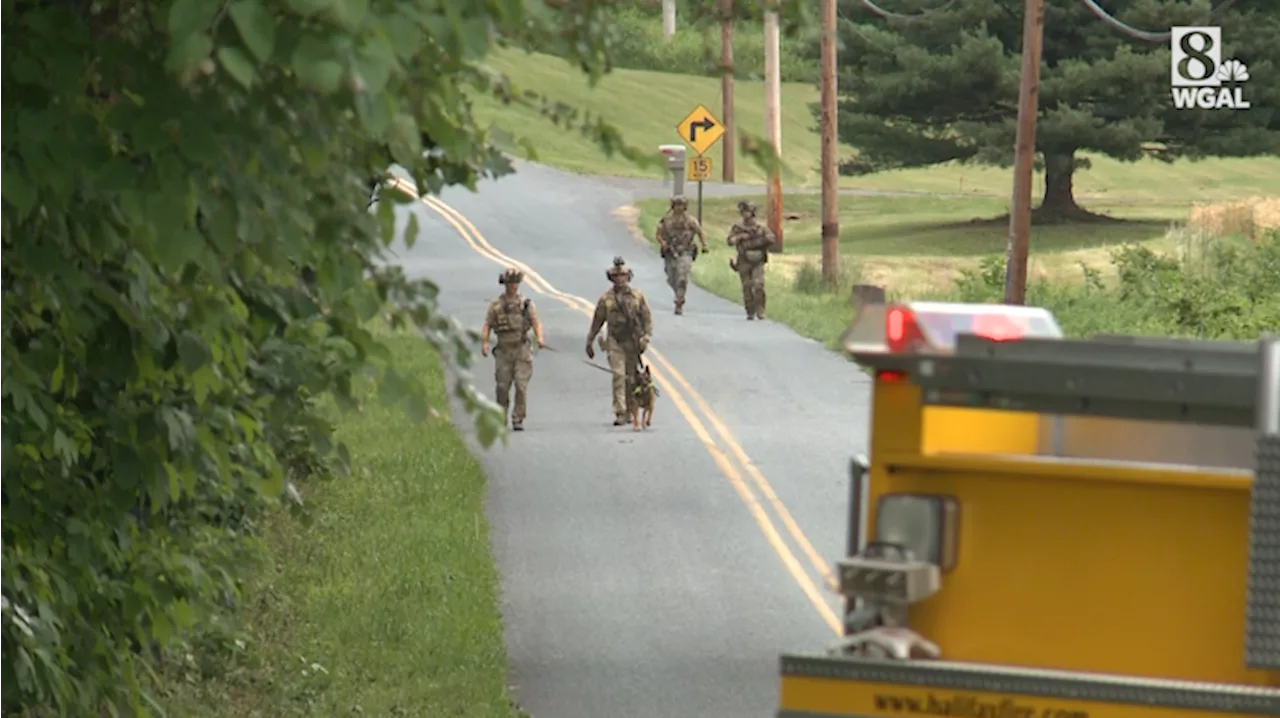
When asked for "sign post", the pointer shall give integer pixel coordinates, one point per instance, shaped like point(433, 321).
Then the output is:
point(701, 131)
point(699, 171)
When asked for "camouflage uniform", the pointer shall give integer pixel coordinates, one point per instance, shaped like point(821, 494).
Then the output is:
point(511, 317)
point(753, 241)
point(626, 311)
point(676, 233)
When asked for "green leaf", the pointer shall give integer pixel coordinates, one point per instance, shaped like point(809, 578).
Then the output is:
point(256, 25)
point(406, 140)
point(418, 408)
point(348, 14)
point(391, 387)
point(474, 34)
point(192, 350)
point(410, 233)
point(55, 381)
point(315, 67)
point(375, 110)
point(187, 17)
point(374, 64)
point(307, 8)
point(238, 65)
point(16, 189)
point(387, 222)
point(188, 52)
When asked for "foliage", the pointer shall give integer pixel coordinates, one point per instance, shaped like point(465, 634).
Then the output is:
point(393, 617)
point(187, 269)
point(1227, 291)
point(945, 88)
point(638, 44)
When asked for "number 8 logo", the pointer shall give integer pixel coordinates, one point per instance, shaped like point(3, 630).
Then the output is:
point(1199, 55)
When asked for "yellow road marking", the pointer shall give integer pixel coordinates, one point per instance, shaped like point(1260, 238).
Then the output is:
point(472, 236)
point(726, 436)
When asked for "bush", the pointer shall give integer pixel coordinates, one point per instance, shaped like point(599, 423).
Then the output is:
point(1228, 290)
point(189, 266)
point(809, 279)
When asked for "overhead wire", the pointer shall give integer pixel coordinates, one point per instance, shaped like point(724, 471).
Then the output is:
point(868, 4)
point(1138, 34)
point(1092, 5)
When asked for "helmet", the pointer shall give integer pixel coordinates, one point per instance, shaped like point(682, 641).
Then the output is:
point(511, 276)
point(619, 267)
point(745, 206)
point(679, 201)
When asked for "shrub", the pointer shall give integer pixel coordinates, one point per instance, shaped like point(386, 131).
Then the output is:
point(1227, 290)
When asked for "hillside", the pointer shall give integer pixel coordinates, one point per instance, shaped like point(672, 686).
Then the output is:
point(647, 105)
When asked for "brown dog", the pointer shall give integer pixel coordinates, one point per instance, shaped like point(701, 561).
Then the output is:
point(644, 391)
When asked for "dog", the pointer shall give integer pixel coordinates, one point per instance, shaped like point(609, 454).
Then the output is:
point(644, 392)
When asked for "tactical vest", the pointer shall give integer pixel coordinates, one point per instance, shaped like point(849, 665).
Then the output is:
point(678, 233)
point(623, 314)
point(512, 321)
point(753, 249)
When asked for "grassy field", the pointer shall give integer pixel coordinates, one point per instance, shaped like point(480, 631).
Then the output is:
point(387, 604)
point(915, 247)
point(647, 105)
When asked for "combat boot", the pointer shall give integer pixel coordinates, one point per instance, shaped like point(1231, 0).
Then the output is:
point(679, 307)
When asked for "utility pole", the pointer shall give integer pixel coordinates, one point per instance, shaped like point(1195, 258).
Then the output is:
point(726, 90)
point(830, 175)
point(773, 116)
point(1015, 275)
point(668, 18)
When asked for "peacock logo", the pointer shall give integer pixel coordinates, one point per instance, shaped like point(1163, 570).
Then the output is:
point(1233, 71)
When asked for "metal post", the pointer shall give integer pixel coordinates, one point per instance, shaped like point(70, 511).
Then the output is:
point(699, 201)
point(1015, 276)
point(1262, 600)
point(1269, 386)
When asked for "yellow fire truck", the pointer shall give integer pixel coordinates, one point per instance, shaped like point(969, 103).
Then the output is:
point(1055, 528)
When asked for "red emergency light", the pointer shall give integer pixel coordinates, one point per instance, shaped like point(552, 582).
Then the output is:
point(932, 327)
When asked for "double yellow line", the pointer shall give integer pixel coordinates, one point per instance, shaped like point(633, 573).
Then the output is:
point(669, 378)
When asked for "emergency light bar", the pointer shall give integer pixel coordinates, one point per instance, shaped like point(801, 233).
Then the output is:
point(932, 327)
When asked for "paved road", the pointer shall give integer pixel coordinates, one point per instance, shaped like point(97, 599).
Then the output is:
point(638, 577)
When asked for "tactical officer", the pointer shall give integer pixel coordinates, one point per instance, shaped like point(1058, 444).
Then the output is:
point(753, 241)
point(511, 316)
point(675, 235)
point(626, 311)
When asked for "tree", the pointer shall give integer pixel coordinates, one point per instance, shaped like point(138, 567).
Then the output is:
point(944, 87)
point(188, 267)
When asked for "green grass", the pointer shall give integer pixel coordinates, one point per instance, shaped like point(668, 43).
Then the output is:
point(647, 105)
point(391, 591)
point(915, 247)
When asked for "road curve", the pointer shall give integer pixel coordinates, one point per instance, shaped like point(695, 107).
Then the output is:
point(655, 574)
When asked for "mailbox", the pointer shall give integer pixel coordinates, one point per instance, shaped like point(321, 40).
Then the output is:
point(675, 164)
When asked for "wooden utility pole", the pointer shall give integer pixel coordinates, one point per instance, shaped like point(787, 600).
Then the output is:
point(773, 116)
point(668, 18)
point(726, 90)
point(830, 166)
point(1015, 275)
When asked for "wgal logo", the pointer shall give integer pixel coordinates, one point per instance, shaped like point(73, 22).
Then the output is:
point(1197, 72)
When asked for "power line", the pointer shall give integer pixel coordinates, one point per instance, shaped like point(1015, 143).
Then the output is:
point(1092, 5)
point(899, 16)
point(1134, 32)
